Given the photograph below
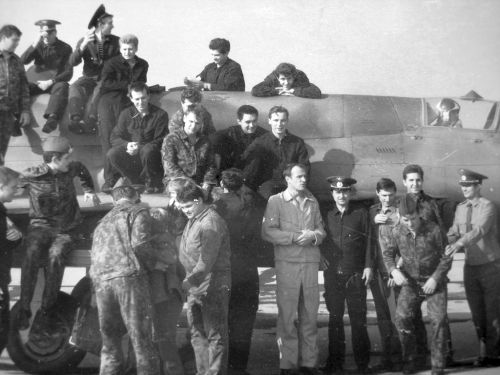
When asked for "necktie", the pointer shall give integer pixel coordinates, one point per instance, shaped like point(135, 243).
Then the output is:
point(468, 218)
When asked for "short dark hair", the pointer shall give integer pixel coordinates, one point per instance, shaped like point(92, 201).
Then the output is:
point(7, 31)
point(196, 109)
point(232, 179)
point(278, 109)
point(189, 191)
point(287, 172)
point(7, 175)
point(221, 45)
point(177, 183)
point(191, 93)
point(126, 191)
point(138, 87)
point(48, 155)
point(386, 184)
point(413, 168)
point(247, 110)
point(286, 69)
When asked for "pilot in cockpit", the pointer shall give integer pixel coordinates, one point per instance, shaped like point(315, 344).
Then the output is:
point(448, 112)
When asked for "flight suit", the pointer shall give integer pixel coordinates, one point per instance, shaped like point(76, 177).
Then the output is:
point(423, 257)
point(121, 255)
point(297, 290)
point(205, 254)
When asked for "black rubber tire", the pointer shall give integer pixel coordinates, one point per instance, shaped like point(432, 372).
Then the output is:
point(62, 358)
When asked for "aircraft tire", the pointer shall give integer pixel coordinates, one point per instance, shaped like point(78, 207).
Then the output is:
point(50, 353)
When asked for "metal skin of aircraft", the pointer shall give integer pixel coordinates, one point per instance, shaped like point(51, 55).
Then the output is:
point(366, 137)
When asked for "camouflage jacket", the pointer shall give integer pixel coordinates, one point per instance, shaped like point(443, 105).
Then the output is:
point(177, 122)
point(52, 195)
point(182, 158)
point(423, 254)
point(14, 91)
point(122, 243)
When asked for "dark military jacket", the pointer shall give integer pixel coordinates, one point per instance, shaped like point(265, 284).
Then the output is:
point(94, 61)
point(347, 246)
point(122, 243)
point(51, 57)
point(301, 85)
point(228, 77)
point(52, 195)
point(14, 89)
point(133, 127)
point(183, 158)
point(270, 156)
point(117, 74)
point(231, 143)
point(177, 122)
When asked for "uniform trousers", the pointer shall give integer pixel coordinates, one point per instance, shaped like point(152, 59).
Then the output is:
point(145, 166)
point(350, 288)
point(409, 309)
point(80, 92)
point(7, 123)
point(482, 288)
point(243, 306)
point(109, 107)
point(58, 98)
point(47, 242)
point(4, 316)
point(388, 332)
point(207, 316)
point(297, 295)
point(124, 306)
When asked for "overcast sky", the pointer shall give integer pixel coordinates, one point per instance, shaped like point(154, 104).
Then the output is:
point(377, 47)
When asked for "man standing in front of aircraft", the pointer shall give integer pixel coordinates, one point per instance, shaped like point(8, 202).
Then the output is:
point(349, 271)
point(267, 156)
point(427, 208)
point(292, 222)
point(475, 230)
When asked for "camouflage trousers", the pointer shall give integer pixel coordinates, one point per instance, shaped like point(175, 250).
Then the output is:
point(408, 311)
point(46, 242)
point(207, 318)
point(124, 306)
point(7, 121)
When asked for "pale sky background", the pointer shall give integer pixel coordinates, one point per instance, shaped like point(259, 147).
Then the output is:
point(374, 47)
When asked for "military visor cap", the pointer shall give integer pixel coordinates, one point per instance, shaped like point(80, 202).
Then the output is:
point(47, 25)
point(57, 144)
point(468, 177)
point(99, 14)
point(341, 182)
point(125, 182)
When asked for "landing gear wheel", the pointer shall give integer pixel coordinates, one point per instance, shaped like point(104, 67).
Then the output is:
point(46, 350)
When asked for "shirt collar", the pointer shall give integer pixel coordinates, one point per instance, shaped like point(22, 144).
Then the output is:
point(136, 113)
point(289, 195)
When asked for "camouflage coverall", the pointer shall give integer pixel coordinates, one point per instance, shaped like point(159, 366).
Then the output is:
point(121, 255)
point(14, 98)
point(54, 216)
point(423, 257)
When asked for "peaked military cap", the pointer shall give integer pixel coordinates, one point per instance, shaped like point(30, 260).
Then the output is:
point(56, 144)
point(99, 14)
point(49, 24)
point(468, 177)
point(341, 182)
